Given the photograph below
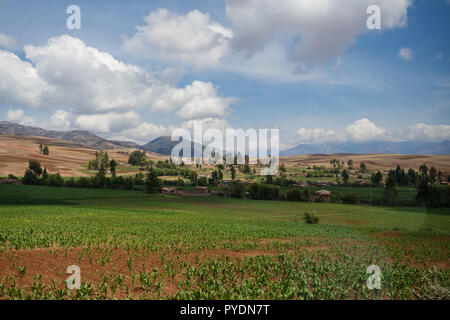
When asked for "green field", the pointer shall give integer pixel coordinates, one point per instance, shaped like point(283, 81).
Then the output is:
point(132, 245)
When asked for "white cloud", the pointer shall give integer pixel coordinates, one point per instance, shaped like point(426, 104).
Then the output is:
point(198, 100)
point(406, 54)
point(107, 122)
point(364, 130)
point(17, 115)
point(193, 38)
point(67, 74)
point(318, 135)
point(8, 42)
point(326, 27)
point(439, 55)
point(360, 130)
point(20, 84)
point(60, 120)
point(142, 133)
point(427, 132)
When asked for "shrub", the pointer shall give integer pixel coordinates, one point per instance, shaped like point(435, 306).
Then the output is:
point(29, 177)
point(294, 195)
point(70, 182)
point(55, 180)
point(237, 189)
point(84, 182)
point(311, 218)
point(349, 198)
point(262, 191)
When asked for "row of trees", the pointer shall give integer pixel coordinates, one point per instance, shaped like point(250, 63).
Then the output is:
point(102, 163)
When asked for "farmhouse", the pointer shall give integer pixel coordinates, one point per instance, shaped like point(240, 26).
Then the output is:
point(171, 191)
point(322, 195)
point(321, 183)
point(300, 185)
point(202, 189)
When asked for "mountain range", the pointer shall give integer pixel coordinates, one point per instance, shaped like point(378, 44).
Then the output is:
point(368, 147)
point(164, 145)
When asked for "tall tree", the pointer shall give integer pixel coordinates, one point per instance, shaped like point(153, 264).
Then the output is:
point(112, 167)
point(363, 167)
point(152, 182)
point(345, 176)
point(390, 192)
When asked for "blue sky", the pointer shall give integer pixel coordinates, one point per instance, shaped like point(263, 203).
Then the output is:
point(317, 74)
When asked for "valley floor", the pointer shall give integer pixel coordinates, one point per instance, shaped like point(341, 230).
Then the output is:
point(132, 245)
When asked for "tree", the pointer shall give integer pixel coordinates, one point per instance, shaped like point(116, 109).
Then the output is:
point(246, 169)
point(440, 176)
point(432, 175)
point(363, 167)
point(427, 194)
point(412, 176)
point(112, 167)
point(44, 176)
point(237, 189)
point(345, 176)
point(376, 178)
point(269, 179)
point(152, 182)
point(390, 192)
point(136, 158)
point(46, 150)
point(35, 167)
point(233, 173)
point(40, 148)
point(33, 172)
point(214, 180)
point(423, 172)
point(350, 164)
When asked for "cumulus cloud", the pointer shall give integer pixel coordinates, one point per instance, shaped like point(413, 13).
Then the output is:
point(20, 83)
point(7, 42)
point(142, 133)
point(325, 27)
point(364, 130)
point(108, 122)
point(17, 115)
point(61, 120)
point(318, 135)
point(427, 132)
point(193, 38)
point(199, 100)
point(360, 130)
point(406, 54)
point(67, 74)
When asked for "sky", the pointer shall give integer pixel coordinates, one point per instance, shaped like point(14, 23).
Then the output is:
point(136, 70)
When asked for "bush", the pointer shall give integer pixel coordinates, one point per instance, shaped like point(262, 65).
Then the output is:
point(55, 180)
point(70, 182)
point(84, 182)
point(29, 177)
point(294, 195)
point(237, 189)
point(311, 218)
point(262, 191)
point(349, 198)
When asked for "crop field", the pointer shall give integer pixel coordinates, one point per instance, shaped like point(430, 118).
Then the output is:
point(128, 244)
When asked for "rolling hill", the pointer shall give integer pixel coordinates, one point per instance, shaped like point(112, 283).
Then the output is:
point(84, 137)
